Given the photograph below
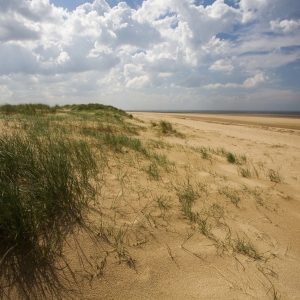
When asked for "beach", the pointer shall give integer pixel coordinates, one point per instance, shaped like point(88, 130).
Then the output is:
point(182, 262)
point(273, 142)
point(188, 206)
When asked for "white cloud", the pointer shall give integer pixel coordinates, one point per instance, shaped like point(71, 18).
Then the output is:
point(253, 9)
point(138, 82)
point(164, 44)
point(223, 65)
point(286, 25)
point(63, 57)
point(248, 83)
point(254, 81)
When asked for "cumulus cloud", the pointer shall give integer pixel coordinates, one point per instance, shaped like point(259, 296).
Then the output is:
point(248, 83)
point(138, 82)
point(253, 9)
point(285, 25)
point(223, 65)
point(163, 44)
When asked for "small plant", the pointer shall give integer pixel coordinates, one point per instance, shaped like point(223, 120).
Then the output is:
point(235, 159)
point(153, 124)
point(205, 152)
point(163, 161)
point(255, 193)
point(187, 197)
point(230, 158)
point(153, 171)
point(274, 176)
point(246, 248)
point(231, 194)
point(204, 227)
point(166, 127)
point(163, 205)
point(244, 171)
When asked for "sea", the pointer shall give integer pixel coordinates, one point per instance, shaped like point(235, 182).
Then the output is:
point(229, 112)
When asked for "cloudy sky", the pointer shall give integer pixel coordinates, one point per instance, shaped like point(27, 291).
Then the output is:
point(152, 54)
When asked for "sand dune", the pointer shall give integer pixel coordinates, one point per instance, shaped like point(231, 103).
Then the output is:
point(189, 223)
point(180, 261)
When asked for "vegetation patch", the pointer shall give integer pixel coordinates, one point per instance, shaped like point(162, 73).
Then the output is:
point(166, 128)
point(45, 188)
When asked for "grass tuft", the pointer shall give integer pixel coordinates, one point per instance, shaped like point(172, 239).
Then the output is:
point(44, 187)
point(274, 176)
point(153, 171)
point(231, 194)
point(245, 247)
point(166, 128)
point(187, 196)
point(230, 158)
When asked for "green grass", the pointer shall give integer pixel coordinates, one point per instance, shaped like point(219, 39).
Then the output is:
point(27, 109)
point(166, 128)
point(274, 176)
point(163, 204)
point(117, 142)
point(153, 171)
point(245, 171)
point(231, 158)
point(245, 247)
point(235, 159)
point(187, 196)
point(44, 187)
point(96, 107)
point(163, 161)
point(230, 193)
point(55, 166)
point(203, 151)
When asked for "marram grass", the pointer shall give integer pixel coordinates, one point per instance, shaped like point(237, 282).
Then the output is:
point(44, 188)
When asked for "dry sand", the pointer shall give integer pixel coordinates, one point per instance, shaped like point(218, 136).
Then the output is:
point(165, 255)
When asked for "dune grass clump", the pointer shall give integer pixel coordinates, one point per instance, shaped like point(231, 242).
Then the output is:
point(187, 196)
point(230, 158)
point(274, 176)
point(98, 107)
point(235, 159)
point(245, 247)
point(166, 128)
point(116, 142)
point(205, 152)
point(44, 189)
point(153, 171)
point(27, 109)
point(230, 193)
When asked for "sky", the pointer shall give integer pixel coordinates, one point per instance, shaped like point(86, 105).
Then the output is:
point(152, 54)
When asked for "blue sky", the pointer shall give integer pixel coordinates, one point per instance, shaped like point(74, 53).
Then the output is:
point(72, 4)
point(154, 54)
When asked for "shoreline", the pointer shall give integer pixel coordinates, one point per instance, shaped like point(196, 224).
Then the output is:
point(295, 114)
point(263, 120)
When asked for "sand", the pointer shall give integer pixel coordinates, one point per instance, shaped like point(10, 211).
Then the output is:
point(161, 254)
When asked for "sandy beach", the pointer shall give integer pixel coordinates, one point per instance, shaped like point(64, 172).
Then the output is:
point(214, 214)
point(202, 270)
point(150, 150)
point(182, 263)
